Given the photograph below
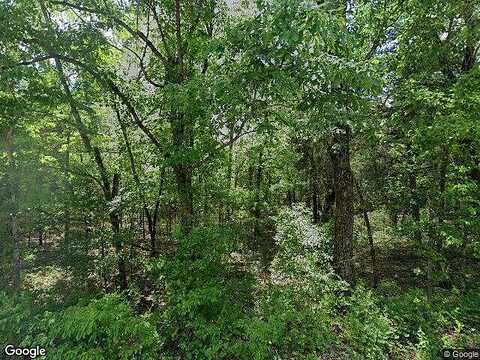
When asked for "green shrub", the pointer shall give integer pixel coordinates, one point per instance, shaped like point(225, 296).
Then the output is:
point(285, 327)
point(366, 331)
point(447, 320)
point(102, 329)
point(208, 297)
point(304, 251)
point(16, 316)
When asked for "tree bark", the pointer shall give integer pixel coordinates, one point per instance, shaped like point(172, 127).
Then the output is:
point(289, 199)
point(68, 196)
point(316, 215)
point(117, 241)
point(183, 175)
point(339, 151)
point(414, 206)
point(183, 143)
point(327, 209)
point(230, 181)
point(366, 219)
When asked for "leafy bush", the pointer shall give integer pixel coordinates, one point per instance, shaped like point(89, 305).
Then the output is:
point(303, 249)
point(102, 329)
point(307, 313)
point(366, 330)
point(207, 295)
point(16, 314)
point(286, 326)
point(447, 320)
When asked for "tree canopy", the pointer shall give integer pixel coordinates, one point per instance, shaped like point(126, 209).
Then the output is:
point(254, 179)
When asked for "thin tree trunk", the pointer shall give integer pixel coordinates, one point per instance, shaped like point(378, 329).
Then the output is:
point(470, 47)
point(339, 151)
point(313, 185)
point(169, 219)
point(102, 254)
point(366, 219)
point(316, 215)
point(117, 241)
point(182, 140)
point(86, 228)
point(183, 174)
point(230, 174)
point(289, 199)
point(414, 206)
point(182, 133)
point(327, 209)
point(142, 221)
point(441, 189)
point(68, 195)
point(151, 218)
point(13, 228)
point(256, 208)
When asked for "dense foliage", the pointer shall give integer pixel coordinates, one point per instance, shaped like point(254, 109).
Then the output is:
point(256, 179)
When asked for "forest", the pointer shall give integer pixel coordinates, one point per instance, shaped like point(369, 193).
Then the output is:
point(239, 179)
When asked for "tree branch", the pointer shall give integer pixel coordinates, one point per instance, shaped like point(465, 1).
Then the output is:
point(123, 24)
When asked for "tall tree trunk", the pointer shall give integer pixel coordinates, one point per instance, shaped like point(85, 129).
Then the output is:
point(471, 48)
point(289, 198)
point(418, 234)
point(313, 185)
point(339, 151)
point(117, 240)
point(169, 219)
point(152, 220)
point(316, 215)
point(415, 206)
point(183, 175)
point(182, 133)
point(256, 207)
point(230, 180)
point(442, 183)
point(366, 219)
point(68, 196)
point(102, 256)
point(183, 143)
point(13, 208)
point(327, 208)
point(152, 232)
point(117, 243)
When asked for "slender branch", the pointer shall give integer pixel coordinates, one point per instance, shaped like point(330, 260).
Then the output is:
point(32, 61)
point(82, 129)
point(123, 24)
point(151, 5)
point(142, 67)
point(133, 167)
point(105, 81)
point(224, 145)
point(178, 31)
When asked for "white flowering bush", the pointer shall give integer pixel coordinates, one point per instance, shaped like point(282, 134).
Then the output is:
point(303, 247)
